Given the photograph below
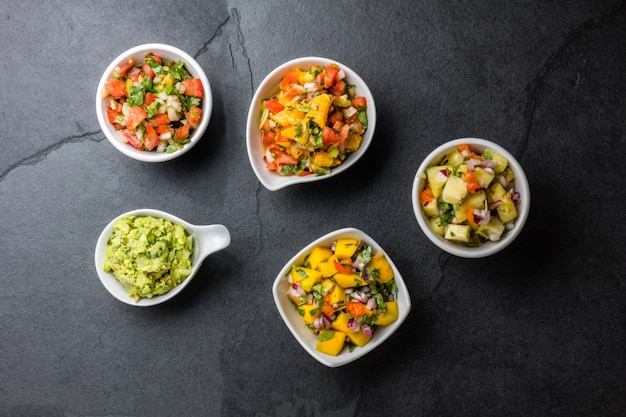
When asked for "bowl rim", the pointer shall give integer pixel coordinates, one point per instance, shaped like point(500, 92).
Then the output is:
point(304, 336)
point(192, 66)
point(268, 85)
point(489, 248)
point(113, 286)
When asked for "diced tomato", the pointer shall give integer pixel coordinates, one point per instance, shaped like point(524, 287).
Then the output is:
point(134, 74)
point(164, 129)
point(344, 132)
point(269, 137)
point(112, 115)
point(125, 66)
point(135, 117)
point(355, 309)
point(160, 119)
point(291, 77)
point(329, 136)
point(115, 87)
point(356, 127)
point(293, 92)
point(150, 139)
point(132, 139)
point(155, 57)
point(272, 166)
point(330, 75)
point(359, 102)
point(339, 88)
point(182, 132)
point(285, 159)
point(148, 71)
point(342, 268)
point(193, 116)
point(193, 87)
point(335, 117)
point(274, 106)
point(149, 98)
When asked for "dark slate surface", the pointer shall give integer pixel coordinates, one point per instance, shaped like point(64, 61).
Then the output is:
point(537, 330)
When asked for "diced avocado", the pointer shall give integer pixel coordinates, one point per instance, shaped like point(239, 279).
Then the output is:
point(502, 161)
point(454, 190)
point(437, 178)
point(457, 232)
point(483, 177)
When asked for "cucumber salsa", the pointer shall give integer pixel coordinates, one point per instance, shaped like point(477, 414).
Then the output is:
point(470, 197)
point(155, 104)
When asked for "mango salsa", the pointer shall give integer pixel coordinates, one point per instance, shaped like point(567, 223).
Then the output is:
point(343, 293)
point(313, 123)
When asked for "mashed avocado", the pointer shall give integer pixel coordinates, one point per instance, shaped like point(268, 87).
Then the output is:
point(148, 256)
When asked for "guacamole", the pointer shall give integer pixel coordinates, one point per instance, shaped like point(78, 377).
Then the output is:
point(148, 256)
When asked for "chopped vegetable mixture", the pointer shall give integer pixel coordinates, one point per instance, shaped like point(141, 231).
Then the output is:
point(470, 197)
point(343, 293)
point(314, 123)
point(155, 105)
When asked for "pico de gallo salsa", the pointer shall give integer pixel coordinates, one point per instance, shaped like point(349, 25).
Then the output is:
point(313, 123)
point(155, 104)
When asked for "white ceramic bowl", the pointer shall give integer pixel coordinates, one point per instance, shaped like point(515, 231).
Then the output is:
point(269, 87)
point(489, 248)
point(207, 240)
point(170, 53)
point(304, 336)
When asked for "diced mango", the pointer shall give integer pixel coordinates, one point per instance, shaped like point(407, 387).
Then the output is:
point(327, 268)
point(336, 296)
point(346, 247)
point(332, 346)
point(306, 276)
point(341, 323)
point(389, 316)
point(309, 312)
point(353, 142)
point(323, 159)
point(382, 265)
point(319, 109)
point(348, 280)
point(318, 255)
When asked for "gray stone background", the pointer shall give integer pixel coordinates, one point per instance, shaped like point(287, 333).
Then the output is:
point(536, 330)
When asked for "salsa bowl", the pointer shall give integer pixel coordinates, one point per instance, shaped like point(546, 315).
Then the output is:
point(295, 323)
point(268, 88)
point(119, 140)
point(443, 236)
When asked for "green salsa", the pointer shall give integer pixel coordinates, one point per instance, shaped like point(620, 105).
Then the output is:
point(148, 256)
